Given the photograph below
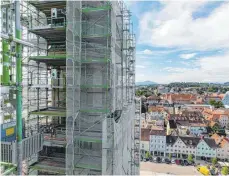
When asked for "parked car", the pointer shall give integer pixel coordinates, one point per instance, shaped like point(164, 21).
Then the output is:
point(203, 170)
point(191, 163)
point(158, 159)
point(177, 162)
point(163, 160)
point(167, 161)
point(173, 161)
point(181, 162)
point(144, 159)
point(186, 163)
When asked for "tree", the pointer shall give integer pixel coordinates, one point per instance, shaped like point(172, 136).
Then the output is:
point(216, 104)
point(225, 170)
point(147, 94)
point(219, 104)
point(148, 155)
point(212, 102)
point(170, 156)
point(214, 161)
point(190, 158)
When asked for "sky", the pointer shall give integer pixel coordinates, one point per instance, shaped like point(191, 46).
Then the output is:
point(184, 41)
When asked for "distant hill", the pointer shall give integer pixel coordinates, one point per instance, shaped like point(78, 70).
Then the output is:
point(145, 83)
point(226, 83)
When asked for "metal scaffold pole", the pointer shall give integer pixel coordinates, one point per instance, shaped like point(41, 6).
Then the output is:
point(18, 88)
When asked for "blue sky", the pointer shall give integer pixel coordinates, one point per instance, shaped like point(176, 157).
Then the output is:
point(181, 40)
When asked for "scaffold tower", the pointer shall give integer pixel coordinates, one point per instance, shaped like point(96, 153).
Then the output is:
point(77, 74)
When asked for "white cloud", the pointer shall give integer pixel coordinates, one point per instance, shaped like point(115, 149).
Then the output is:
point(187, 56)
point(140, 66)
point(209, 69)
point(174, 69)
point(157, 52)
point(173, 26)
point(147, 52)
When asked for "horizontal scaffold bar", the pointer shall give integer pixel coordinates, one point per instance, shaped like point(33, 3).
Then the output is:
point(92, 9)
point(96, 36)
point(88, 140)
point(6, 164)
point(88, 166)
point(48, 57)
point(49, 113)
point(55, 170)
point(95, 110)
point(91, 60)
point(86, 86)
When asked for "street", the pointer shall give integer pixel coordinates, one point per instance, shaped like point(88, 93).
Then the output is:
point(150, 168)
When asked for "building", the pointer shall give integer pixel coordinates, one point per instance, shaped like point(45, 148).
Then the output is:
point(78, 92)
point(197, 128)
point(170, 140)
point(145, 141)
point(213, 96)
point(214, 114)
point(197, 107)
point(153, 99)
point(162, 89)
point(223, 149)
point(171, 127)
point(224, 121)
point(181, 147)
point(225, 100)
point(156, 116)
point(158, 142)
point(180, 98)
point(206, 148)
point(222, 146)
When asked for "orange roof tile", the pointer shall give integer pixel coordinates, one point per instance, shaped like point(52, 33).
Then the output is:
point(224, 142)
point(145, 134)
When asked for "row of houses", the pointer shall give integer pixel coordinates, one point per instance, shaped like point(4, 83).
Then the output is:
point(159, 144)
point(187, 98)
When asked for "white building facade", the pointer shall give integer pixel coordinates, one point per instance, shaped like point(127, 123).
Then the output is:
point(158, 144)
point(197, 130)
point(182, 146)
point(223, 149)
point(206, 148)
point(224, 121)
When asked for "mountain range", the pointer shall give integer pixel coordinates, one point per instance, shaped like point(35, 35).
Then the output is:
point(145, 83)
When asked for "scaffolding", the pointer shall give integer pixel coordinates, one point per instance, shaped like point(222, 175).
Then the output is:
point(78, 87)
point(101, 52)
